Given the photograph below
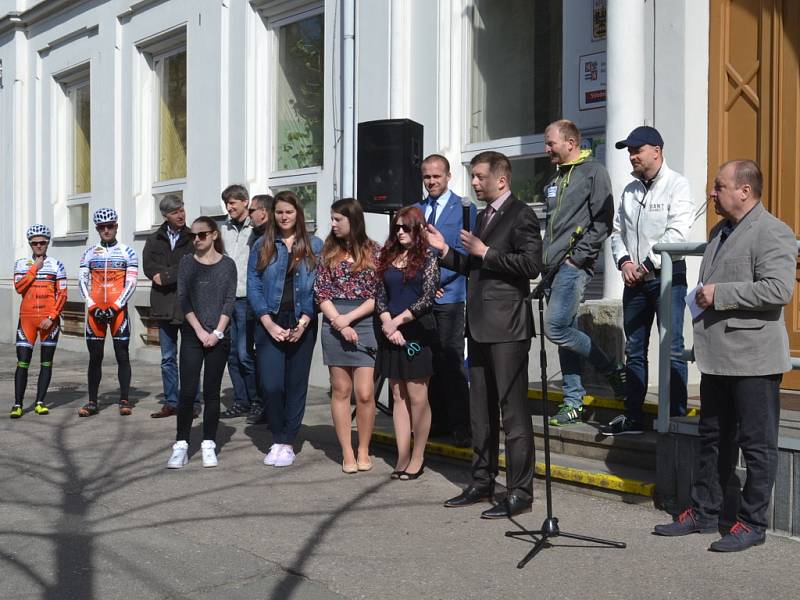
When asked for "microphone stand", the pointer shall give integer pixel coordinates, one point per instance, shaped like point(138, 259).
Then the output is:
point(550, 528)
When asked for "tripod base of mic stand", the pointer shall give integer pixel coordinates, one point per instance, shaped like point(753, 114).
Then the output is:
point(551, 530)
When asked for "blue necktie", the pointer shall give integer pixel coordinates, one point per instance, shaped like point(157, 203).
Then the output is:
point(432, 214)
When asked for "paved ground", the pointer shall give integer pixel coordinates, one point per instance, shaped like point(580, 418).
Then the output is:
point(87, 510)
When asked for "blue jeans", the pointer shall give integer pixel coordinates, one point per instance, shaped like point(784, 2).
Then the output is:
point(639, 307)
point(168, 340)
point(286, 388)
point(241, 363)
point(564, 298)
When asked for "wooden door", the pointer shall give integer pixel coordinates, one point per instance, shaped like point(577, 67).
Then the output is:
point(754, 110)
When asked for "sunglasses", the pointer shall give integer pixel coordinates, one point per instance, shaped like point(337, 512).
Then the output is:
point(201, 235)
point(38, 243)
point(404, 227)
point(252, 210)
point(106, 226)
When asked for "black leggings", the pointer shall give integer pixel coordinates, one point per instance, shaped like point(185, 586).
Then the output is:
point(24, 355)
point(96, 350)
point(193, 357)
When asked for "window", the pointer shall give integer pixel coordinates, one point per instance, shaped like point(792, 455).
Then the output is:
point(307, 194)
point(297, 104)
point(76, 148)
point(170, 113)
point(81, 104)
point(78, 219)
point(528, 177)
point(299, 98)
point(516, 68)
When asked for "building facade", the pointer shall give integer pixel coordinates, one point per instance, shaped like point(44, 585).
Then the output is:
point(117, 102)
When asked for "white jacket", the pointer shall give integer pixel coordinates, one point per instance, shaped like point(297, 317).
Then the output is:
point(237, 246)
point(663, 214)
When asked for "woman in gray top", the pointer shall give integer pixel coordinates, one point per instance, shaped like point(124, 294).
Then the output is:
point(206, 292)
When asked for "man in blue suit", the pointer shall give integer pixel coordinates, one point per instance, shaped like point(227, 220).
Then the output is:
point(448, 392)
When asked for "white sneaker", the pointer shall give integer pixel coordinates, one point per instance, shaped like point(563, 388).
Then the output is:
point(285, 456)
point(209, 455)
point(179, 455)
point(272, 455)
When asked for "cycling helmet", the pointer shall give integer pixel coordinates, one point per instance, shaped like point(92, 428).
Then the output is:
point(104, 215)
point(38, 230)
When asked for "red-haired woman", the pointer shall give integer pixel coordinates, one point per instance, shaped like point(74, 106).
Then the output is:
point(408, 279)
point(345, 291)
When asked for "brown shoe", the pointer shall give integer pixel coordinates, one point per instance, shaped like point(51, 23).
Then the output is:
point(166, 411)
point(125, 408)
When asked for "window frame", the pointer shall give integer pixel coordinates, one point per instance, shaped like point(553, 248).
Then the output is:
point(67, 85)
point(528, 146)
point(156, 63)
point(277, 179)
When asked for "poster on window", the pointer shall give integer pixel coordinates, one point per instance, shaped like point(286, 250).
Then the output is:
point(592, 87)
point(598, 20)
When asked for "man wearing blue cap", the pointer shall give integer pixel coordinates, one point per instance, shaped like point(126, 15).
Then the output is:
point(656, 207)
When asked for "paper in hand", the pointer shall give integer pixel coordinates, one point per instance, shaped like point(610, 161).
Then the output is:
point(691, 301)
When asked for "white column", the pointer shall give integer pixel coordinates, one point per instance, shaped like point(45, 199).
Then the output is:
point(625, 110)
point(348, 97)
point(400, 49)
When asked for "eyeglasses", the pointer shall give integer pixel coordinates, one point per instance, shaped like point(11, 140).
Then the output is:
point(102, 226)
point(201, 235)
point(250, 211)
point(38, 243)
point(404, 227)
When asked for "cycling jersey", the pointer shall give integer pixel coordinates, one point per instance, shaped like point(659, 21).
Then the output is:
point(44, 293)
point(108, 275)
point(107, 279)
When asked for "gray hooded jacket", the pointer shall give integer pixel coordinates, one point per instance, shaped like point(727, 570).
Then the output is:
point(578, 195)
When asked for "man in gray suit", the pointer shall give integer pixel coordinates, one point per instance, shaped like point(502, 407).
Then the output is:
point(742, 349)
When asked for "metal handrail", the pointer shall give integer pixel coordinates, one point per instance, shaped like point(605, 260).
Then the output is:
point(665, 325)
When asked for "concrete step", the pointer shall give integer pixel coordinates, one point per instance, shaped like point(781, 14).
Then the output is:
point(598, 408)
point(619, 481)
point(583, 440)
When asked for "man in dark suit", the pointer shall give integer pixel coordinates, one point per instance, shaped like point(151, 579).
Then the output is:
point(742, 350)
point(447, 392)
point(504, 252)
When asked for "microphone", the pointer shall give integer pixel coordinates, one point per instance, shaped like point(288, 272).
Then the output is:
point(465, 210)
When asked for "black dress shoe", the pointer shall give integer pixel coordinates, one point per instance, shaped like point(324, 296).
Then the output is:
point(471, 495)
point(510, 507)
point(256, 416)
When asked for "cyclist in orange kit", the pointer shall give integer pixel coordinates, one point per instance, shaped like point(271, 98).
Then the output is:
point(42, 283)
point(107, 280)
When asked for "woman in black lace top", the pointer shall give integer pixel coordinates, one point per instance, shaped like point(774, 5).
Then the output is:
point(408, 277)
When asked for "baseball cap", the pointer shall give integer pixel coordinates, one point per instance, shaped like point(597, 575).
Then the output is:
point(641, 136)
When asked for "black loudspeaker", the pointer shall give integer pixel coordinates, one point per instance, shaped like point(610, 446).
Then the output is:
point(389, 160)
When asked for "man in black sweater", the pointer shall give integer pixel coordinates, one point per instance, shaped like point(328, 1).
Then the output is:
point(163, 252)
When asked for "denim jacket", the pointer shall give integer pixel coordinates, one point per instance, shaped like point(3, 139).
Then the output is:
point(265, 288)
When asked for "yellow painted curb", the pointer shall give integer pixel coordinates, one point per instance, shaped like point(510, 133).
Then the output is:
point(604, 481)
point(600, 402)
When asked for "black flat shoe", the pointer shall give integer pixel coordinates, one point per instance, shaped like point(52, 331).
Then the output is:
point(510, 507)
point(471, 495)
point(406, 476)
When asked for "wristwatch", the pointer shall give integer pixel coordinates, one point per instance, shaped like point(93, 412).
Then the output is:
point(219, 334)
point(302, 322)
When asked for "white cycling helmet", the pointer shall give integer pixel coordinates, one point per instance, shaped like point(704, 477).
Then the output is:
point(105, 215)
point(38, 230)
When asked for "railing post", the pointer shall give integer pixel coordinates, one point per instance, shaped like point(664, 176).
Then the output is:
point(664, 343)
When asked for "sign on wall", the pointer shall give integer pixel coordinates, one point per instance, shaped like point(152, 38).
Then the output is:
point(598, 20)
point(592, 87)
